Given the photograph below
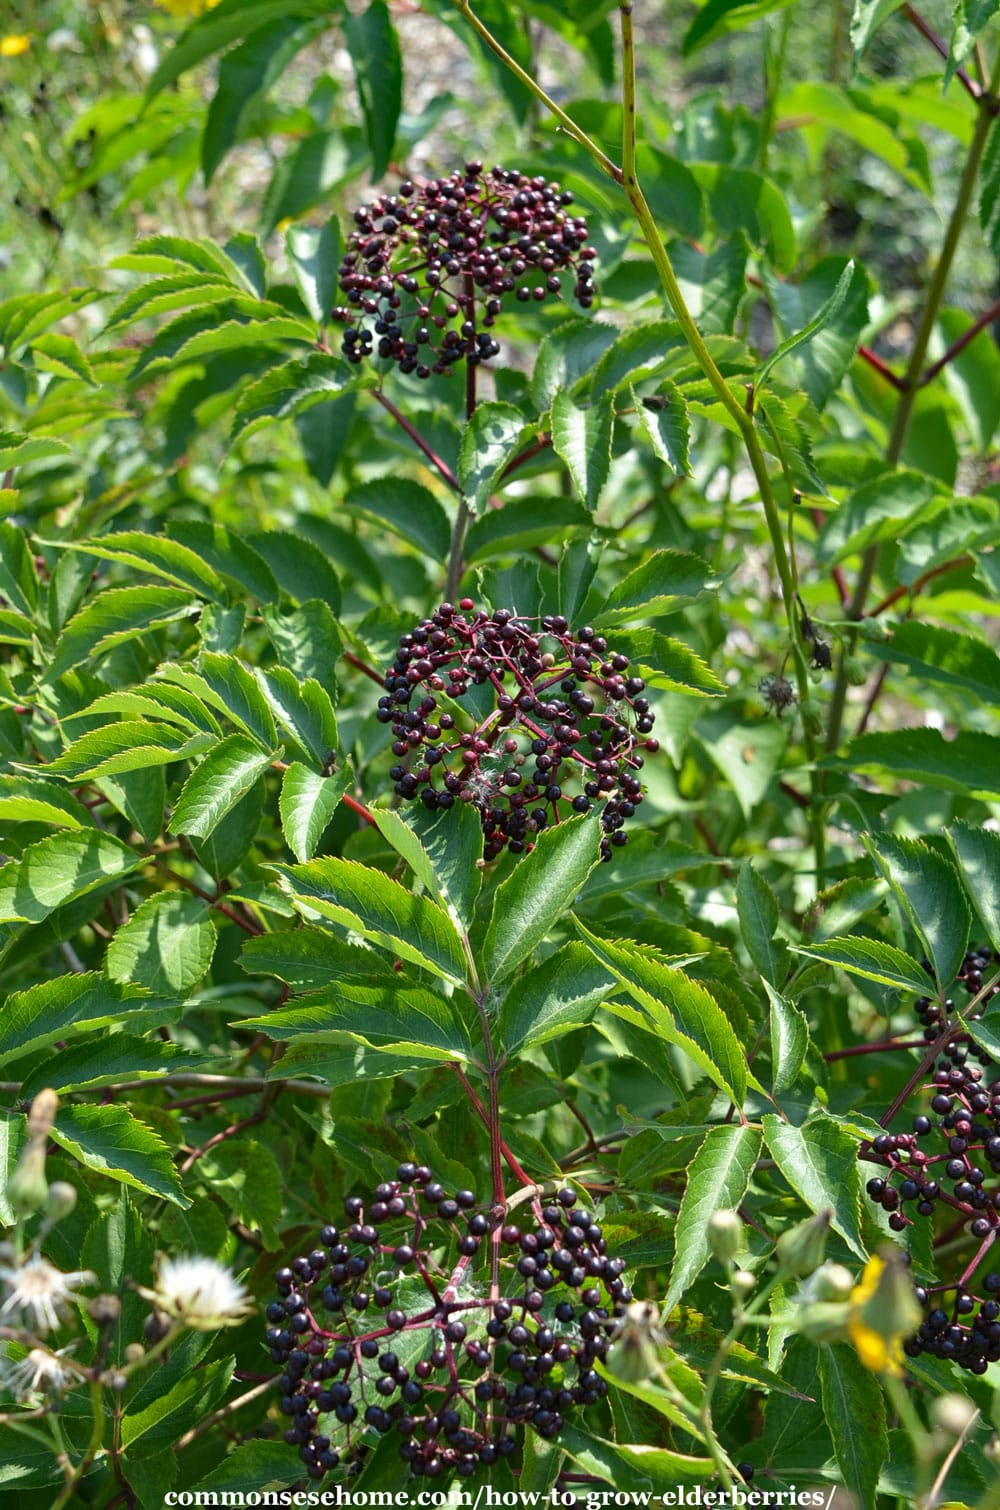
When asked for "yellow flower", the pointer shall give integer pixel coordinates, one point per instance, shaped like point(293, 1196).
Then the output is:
point(186, 8)
point(13, 45)
point(882, 1313)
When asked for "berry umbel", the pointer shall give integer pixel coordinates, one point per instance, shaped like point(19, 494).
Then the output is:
point(426, 270)
point(567, 712)
point(947, 1163)
point(390, 1326)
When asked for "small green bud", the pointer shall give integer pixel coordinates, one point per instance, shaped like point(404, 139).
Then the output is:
point(726, 1237)
point(742, 1283)
point(855, 670)
point(800, 1250)
point(134, 1352)
point(815, 675)
point(874, 631)
point(61, 1200)
point(812, 716)
point(636, 1343)
point(824, 1320)
point(27, 1187)
point(830, 1282)
point(953, 1413)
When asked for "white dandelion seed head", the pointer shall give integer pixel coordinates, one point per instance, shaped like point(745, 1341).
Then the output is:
point(40, 1291)
point(40, 1372)
point(200, 1293)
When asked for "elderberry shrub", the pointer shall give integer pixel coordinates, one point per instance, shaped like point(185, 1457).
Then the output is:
point(426, 270)
point(566, 711)
point(950, 1161)
point(388, 1327)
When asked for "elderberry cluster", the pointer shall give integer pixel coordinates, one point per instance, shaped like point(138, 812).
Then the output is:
point(949, 1162)
point(387, 1326)
point(426, 270)
point(565, 711)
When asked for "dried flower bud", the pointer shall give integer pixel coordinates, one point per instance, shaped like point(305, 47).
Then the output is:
point(61, 1200)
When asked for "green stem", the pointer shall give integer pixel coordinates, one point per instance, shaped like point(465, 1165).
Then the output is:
point(93, 1448)
point(911, 380)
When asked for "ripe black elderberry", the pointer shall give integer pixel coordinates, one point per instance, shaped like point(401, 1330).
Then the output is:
point(451, 1372)
point(949, 1162)
point(566, 710)
point(426, 270)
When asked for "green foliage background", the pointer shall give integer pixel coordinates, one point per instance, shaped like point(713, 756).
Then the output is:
point(212, 528)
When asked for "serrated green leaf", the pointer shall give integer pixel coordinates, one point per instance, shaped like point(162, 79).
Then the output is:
point(820, 1162)
point(664, 581)
point(116, 616)
point(17, 450)
point(162, 557)
point(166, 945)
point(290, 389)
point(307, 957)
point(129, 746)
point(679, 1010)
point(977, 853)
point(378, 74)
point(552, 998)
point(868, 17)
point(307, 804)
point(110, 1060)
point(663, 419)
point(244, 76)
point(25, 799)
point(719, 17)
point(582, 438)
point(378, 908)
point(72, 1004)
point(252, 1465)
point(177, 1410)
point(111, 1141)
point(968, 763)
point(946, 656)
point(566, 356)
point(59, 868)
point(488, 443)
point(757, 907)
point(928, 890)
point(854, 1407)
point(304, 710)
point(409, 509)
point(216, 785)
point(247, 1179)
point(789, 1038)
point(717, 1180)
point(537, 893)
point(385, 1016)
point(872, 959)
point(62, 356)
point(444, 850)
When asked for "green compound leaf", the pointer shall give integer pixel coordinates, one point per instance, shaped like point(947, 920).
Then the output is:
point(538, 891)
point(678, 1009)
point(758, 914)
point(111, 1141)
point(820, 1162)
point(928, 889)
point(559, 994)
point(215, 786)
point(717, 1180)
point(582, 438)
point(977, 852)
point(307, 804)
point(114, 617)
point(166, 945)
point(871, 959)
point(380, 909)
point(488, 443)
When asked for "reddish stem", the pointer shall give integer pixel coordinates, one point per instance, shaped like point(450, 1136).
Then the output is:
point(357, 807)
point(411, 430)
point(874, 360)
point(959, 345)
point(921, 582)
point(874, 1048)
point(543, 443)
point(360, 665)
point(941, 48)
point(873, 698)
point(839, 580)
